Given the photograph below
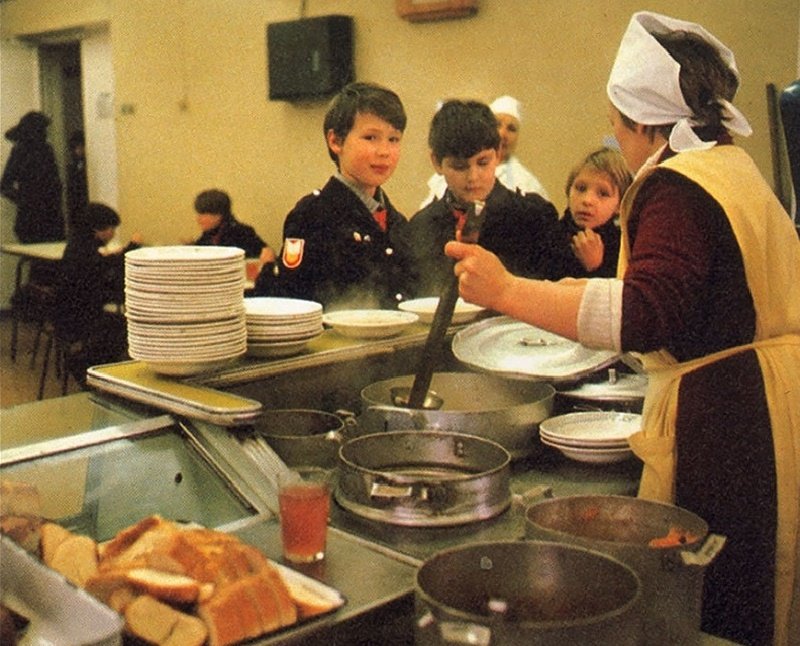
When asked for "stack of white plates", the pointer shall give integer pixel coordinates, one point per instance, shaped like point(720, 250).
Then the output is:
point(595, 437)
point(184, 306)
point(279, 327)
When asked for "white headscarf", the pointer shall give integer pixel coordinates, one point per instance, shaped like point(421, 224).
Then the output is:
point(645, 81)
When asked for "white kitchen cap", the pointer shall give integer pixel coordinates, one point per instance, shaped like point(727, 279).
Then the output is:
point(645, 86)
point(507, 105)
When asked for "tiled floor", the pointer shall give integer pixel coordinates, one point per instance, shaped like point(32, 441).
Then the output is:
point(19, 382)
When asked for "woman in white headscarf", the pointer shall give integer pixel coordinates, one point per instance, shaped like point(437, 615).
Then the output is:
point(708, 292)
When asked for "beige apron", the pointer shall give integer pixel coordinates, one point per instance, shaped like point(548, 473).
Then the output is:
point(771, 254)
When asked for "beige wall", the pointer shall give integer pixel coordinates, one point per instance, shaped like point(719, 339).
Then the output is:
point(195, 73)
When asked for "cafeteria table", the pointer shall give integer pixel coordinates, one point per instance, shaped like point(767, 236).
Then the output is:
point(46, 252)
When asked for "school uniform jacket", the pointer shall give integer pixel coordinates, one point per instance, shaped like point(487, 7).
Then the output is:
point(232, 233)
point(520, 229)
point(335, 253)
point(609, 233)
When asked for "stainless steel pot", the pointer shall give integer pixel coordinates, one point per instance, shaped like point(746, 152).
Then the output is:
point(303, 437)
point(505, 411)
point(672, 577)
point(423, 478)
point(526, 592)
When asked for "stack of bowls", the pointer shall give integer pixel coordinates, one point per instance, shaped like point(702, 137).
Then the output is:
point(184, 307)
point(594, 437)
point(278, 327)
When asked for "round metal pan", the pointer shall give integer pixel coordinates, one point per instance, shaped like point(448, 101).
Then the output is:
point(423, 478)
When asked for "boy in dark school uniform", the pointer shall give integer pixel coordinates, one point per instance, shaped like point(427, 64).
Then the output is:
point(345, 245)
point(88, 280)
point(520, 229)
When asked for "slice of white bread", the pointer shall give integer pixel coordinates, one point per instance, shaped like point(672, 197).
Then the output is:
point(112, 588)
point(52, 535)
point(167, 586)
point(307, 601)
point(159, 623)
point(19, 498)
point(76, 558)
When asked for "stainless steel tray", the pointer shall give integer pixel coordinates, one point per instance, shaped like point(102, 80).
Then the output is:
point(513, 349)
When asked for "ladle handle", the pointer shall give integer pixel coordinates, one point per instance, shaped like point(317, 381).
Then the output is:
point(442, 316)
point(439, 325)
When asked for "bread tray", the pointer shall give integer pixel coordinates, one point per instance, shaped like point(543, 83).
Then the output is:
point(60, 613)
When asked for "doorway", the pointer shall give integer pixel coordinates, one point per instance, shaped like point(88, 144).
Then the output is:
point(69, 76)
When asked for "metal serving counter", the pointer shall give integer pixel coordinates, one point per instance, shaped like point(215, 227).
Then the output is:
point(125, 458)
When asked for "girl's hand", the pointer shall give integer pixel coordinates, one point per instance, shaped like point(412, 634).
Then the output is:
point(588, 249)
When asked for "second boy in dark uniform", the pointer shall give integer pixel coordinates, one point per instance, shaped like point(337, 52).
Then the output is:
point(520, 229)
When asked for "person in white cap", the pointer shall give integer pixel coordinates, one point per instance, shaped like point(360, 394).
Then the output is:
point(510, 170)
point(708, 293)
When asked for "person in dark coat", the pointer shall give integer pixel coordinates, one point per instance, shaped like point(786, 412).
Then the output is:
point(520, 229)
point(31, 181)
point(77, 184)
point(345, 245)
point(88, 280)
point(221, 228)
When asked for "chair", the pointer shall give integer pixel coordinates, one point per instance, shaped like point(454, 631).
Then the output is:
point(63, 350)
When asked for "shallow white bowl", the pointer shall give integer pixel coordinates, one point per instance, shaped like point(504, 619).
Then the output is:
point(369, 324)
point(425, 308)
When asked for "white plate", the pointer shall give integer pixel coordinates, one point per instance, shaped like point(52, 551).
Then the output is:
point(271, 308)
point(591, 429)
point(183, 254)
point(273, 350)
point(592, 456)
point(369, 324)
point(425, 308)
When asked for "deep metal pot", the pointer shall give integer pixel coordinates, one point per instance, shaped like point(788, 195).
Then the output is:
point(505, 411)
point(303, 437)
point(622, 526)
point(511, 593)
point(423, 478)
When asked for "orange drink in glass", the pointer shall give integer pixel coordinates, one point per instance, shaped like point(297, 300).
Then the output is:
point(304, 509)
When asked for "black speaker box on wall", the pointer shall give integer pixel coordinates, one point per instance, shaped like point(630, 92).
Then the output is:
point(309, 58)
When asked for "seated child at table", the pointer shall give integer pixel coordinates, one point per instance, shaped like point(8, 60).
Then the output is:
point(520, 229)
point(590, 224)
point(345, 245)
point(220, 227)
point(88, 281)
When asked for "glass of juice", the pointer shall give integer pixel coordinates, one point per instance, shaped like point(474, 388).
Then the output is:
point(304, 503)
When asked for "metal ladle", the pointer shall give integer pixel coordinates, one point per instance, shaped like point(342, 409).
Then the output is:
point(441, 319)
point(400, 396)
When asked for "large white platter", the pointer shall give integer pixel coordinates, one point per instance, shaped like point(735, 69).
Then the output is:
point(369, 324)
point(513, 349)
point(425, 308)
